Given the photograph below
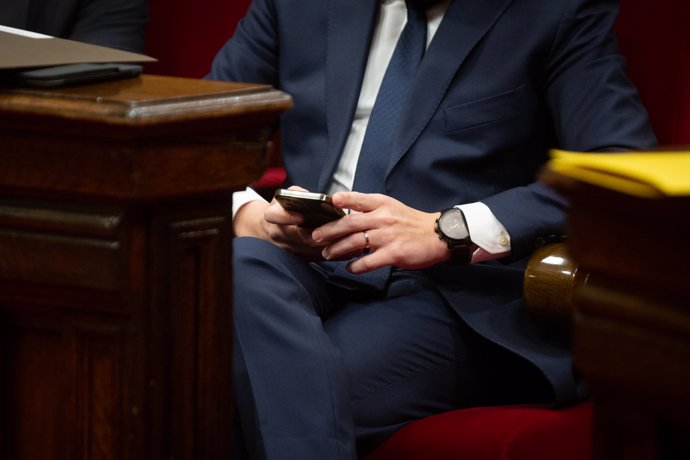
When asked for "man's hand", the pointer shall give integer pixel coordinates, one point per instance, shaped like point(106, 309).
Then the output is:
point(397, 234)
point(271, 222)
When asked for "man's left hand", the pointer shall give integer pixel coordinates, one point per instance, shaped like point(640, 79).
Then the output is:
point(385, 230)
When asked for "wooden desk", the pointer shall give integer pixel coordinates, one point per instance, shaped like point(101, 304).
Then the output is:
point(631, 327)
point(115, 310)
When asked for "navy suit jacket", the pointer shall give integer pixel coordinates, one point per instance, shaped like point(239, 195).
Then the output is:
point(501, 82)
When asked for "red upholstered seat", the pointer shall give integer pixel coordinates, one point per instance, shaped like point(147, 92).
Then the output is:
point(494, 433)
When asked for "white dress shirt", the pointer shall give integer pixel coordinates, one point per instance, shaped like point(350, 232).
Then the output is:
point(486, 231)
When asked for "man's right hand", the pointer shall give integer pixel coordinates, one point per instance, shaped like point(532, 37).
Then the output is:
point(271, 222)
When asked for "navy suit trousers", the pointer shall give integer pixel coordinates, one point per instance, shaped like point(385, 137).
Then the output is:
point(322, 372)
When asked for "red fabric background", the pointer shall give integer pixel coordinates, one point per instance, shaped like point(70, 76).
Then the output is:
point(185, 35)
point(655, 38)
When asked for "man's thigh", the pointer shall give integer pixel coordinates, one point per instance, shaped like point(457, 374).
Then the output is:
point(405, 357)
point(265, 275)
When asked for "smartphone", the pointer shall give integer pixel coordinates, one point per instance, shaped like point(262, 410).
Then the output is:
point(74, 74)
point(316, 208)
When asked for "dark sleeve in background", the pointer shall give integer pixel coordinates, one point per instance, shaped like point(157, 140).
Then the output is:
point(112, 23)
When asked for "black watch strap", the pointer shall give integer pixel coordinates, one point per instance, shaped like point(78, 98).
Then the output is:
point(460, 249)
point(460, 255)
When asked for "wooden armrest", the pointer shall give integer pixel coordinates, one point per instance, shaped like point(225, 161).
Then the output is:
point(551, 278)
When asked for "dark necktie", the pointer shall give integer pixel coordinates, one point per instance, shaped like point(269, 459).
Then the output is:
point(385, 115)
point(381, 129)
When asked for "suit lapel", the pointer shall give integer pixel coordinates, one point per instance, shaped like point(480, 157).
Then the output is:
point(350, 28)
point(464, 24)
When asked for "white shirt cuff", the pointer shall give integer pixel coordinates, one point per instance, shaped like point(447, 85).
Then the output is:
point(243, 197)
point(486, 231)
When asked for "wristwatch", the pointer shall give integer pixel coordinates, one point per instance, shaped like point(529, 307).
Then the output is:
point(451, 227)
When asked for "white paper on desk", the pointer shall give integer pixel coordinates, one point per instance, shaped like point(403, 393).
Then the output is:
point(20, 49)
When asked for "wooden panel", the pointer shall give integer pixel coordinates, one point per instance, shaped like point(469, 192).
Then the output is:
point(117, 170)
point(99, 404)
point(41, 258)
point(142, 139)
point(115, 241)
point(36, 394)
point(631, 329)
point(60, 246)
point(195, 303)
point(62, 389)
point(126, 107)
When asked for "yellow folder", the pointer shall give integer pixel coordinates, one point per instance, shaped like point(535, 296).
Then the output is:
point(651, 174)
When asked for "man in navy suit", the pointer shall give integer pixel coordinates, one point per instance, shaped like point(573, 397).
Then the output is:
point(327, 364)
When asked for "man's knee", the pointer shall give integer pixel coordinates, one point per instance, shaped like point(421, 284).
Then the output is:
point(248, 249)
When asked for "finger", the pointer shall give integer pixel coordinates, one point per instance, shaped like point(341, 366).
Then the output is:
point(295, 239)
point(340, 228)
point(278, 215)
point(359, 202)
point(369, 262)
point(352, 245)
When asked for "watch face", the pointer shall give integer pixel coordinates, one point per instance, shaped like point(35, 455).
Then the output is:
point(452, 224)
